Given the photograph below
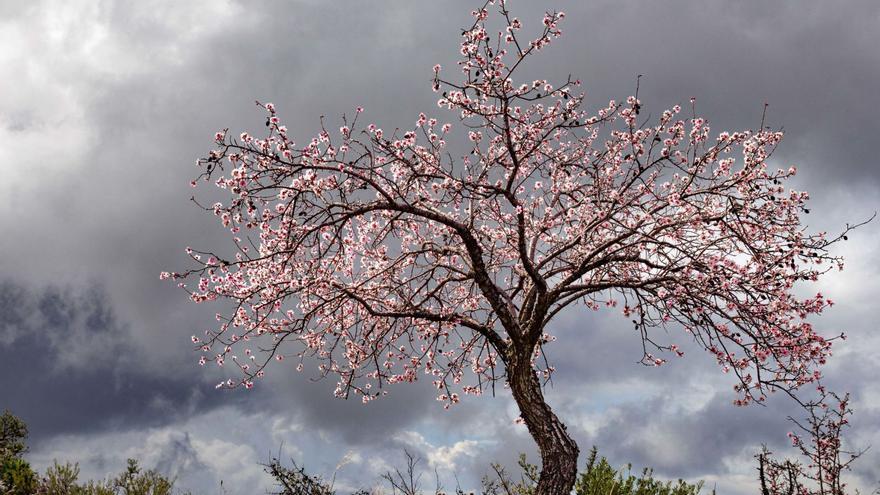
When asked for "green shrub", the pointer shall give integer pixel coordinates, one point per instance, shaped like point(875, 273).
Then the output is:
point(61, 479)
point(599, 478)
point(295, 480)
point(13, 433)
point(17, 477)
point(135, 482)
point(500, 483)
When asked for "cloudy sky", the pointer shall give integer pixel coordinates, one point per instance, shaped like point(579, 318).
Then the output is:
point(104, 107)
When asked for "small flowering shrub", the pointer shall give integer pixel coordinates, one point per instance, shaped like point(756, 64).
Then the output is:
point(824, 458)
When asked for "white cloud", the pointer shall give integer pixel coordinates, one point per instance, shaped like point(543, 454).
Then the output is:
point(236, 464)
point(441, 457)
point(446, 456)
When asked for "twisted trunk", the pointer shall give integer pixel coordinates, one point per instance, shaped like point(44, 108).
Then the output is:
point(559, 453)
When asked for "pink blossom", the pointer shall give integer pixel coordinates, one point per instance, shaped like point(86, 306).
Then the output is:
point(376, 256)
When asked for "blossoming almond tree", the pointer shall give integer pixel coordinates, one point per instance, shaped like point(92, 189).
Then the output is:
point(382, 257)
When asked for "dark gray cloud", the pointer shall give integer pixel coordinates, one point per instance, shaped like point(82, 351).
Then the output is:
point(113, 101)
point(66, 367)
point(313, 403)
point(678, 442)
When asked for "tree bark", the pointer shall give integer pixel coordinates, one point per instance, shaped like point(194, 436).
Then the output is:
point(559, 453)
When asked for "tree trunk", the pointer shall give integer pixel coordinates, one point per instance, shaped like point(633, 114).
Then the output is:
point(559, 453)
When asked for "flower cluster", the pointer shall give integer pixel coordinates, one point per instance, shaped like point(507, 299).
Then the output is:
point(382, 258)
